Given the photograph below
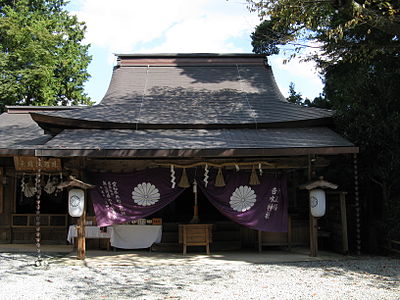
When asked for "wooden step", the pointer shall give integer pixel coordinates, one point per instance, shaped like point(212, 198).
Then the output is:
point(170, 237)
point(226, 235)
point(166, 247)
point(215, 246)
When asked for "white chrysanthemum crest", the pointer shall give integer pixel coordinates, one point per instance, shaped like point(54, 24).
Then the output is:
point(243, 198)
point(145, 194)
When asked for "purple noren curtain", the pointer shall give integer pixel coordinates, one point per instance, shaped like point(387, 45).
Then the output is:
point(119, 198)
point(262, 207)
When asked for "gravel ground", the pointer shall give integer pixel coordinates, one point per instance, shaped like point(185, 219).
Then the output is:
point(365, 278)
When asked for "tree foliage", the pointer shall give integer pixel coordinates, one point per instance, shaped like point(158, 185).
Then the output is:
point(303, 22)
point(296, 98)
point(42, 58)
point(359, 58)
point(367, 102)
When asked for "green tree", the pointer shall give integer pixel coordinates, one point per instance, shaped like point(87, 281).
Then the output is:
point(367, 103)
point(294, 97)
point(302, 22)
point(359, 57)
point(42, 58)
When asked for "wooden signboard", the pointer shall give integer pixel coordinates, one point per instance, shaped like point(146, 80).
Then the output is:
point(31, 163)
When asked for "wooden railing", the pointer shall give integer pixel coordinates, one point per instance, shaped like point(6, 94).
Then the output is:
point(46, 220)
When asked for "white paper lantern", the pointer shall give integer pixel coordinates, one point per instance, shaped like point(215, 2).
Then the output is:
point(317, 202)
point(76, 202)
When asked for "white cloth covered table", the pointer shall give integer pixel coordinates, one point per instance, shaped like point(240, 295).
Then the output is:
point(135, 236)
point(91, 232)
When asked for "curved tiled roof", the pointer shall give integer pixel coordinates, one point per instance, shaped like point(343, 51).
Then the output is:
point(187, 92)
point(196, 142)
point(20, 134)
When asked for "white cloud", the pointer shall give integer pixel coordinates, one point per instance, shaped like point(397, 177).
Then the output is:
point(296, 67)
point(173, 26)
point(126, 26)
point(304, 74)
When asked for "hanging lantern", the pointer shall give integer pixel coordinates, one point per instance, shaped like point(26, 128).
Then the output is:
point(317, 202)
point(76, 202)
point(317, 195)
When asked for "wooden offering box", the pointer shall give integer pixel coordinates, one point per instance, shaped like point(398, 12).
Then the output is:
point(195, 235)
point(157, 221)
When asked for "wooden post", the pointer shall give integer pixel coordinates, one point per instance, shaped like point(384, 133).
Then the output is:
point(208, 240)
point(313, 221)
point(1, 190)
point(81, 244)
point(81, 232)
point(343, 214)
point(195, 218)
point(184, 238)
point(289, 235)
point(313, 236)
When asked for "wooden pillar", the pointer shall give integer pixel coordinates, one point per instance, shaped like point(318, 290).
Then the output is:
point(1, 190)
point(81, 244)
point(343, 214)
point(313, 236)
point(289, 234)
point(313, 221)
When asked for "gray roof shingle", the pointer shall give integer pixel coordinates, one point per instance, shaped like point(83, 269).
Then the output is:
point(19, 133)
point(237, 93)
point(226, 94)
point(73, 140)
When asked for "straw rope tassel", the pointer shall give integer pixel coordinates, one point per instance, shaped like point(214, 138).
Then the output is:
point(219, 180)
point(184, 182)
point(254, 178)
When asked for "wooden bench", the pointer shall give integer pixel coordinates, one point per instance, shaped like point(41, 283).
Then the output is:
point(195, 235)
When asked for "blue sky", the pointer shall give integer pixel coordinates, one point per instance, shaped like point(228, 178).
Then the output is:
point(177, 26)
